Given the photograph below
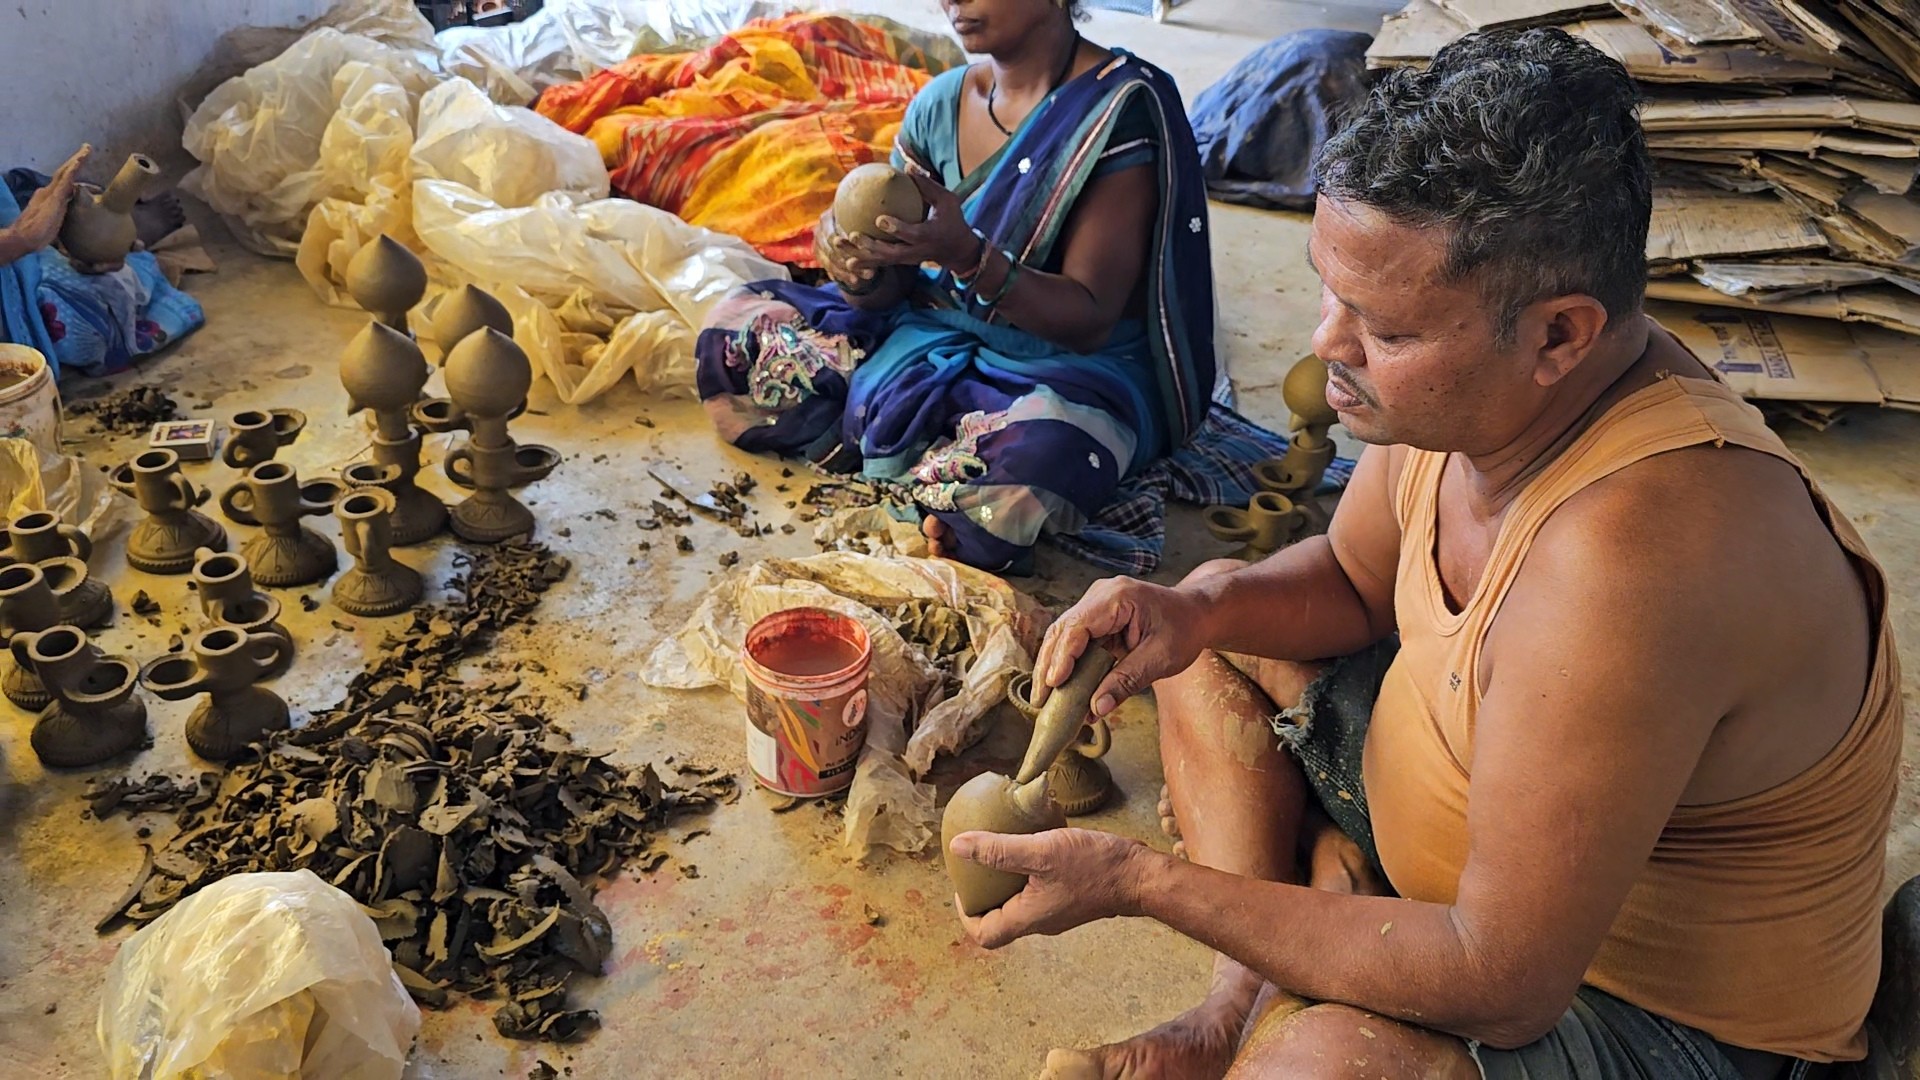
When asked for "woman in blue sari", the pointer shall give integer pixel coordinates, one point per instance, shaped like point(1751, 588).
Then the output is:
point(86, 320)
point(1045, 333)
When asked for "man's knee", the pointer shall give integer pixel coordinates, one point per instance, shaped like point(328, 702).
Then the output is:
point(1212, 568)
point(1340, 1041)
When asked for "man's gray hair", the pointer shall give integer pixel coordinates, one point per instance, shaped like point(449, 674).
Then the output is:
point(1525, 147)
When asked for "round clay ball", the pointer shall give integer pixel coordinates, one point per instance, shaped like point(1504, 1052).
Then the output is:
point(872, 192)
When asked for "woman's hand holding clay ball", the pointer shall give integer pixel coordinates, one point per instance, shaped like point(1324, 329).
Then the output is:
point(944, 238)
point(835, 253)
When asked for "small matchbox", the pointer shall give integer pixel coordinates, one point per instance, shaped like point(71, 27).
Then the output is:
point(192, 439)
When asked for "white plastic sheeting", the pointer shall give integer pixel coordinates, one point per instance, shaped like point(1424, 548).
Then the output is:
point(345, 136)
point(257, 975)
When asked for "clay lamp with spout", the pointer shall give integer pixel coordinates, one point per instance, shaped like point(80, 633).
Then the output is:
point(992, 802)
point(488, 377)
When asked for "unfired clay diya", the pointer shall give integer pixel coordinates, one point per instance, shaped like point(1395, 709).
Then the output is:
point(387, 280)
point(99, 229)
point(256, 435)
point(488, 377)
point(1270, 522)
point(1280, 512)
point(28, 605)
point(93, 714)
point(286, 552)
point(383, 370)
point(1310, 449)
point(872, 192)
point(164, 541)
point(224, 583)
point(377, 584)
point(991, 802)
point(40, 537)
point(224, 664)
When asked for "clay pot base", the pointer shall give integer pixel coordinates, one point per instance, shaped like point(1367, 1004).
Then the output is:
point(373, 595)
point(490, 517)
point(88, 606)
point(67, 739)
point(1080, 785)
point(248, 715)
point(161, 547)
point(283, 561)
point(417, 516)
point(24, 688)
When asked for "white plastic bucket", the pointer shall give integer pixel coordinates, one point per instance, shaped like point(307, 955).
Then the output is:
point(29, 399)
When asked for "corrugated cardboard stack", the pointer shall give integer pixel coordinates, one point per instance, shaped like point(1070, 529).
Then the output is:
point(1785, 245)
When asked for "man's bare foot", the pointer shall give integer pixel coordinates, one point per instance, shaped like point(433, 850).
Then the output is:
point(1197, 1045)
point(939, 537)
point(157, 217)
point(1170, 824)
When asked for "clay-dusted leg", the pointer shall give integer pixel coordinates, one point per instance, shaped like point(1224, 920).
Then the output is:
point(1239, 801)
point(1329, 1041)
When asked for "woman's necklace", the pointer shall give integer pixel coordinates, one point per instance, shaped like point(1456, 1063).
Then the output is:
point(1073, 51)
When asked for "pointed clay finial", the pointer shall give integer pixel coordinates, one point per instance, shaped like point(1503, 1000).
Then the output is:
point(1305, 392)
point(386, 279)
point(487, 374)
point(465, 310)
point(381, 368)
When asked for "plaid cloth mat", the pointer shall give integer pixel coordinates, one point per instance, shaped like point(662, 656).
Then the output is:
point(1215, 467)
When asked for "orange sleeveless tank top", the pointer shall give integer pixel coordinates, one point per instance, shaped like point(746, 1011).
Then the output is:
point(1756, 920)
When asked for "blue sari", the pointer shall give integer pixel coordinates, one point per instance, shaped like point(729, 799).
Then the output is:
point(87, 324)
point(1001, 434)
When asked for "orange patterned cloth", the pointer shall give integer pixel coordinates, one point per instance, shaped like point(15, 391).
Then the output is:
point(752, 134)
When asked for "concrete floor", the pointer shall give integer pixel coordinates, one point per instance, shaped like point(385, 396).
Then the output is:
point(769, 962)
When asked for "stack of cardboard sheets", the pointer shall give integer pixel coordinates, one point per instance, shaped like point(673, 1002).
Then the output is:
point(1785, 245)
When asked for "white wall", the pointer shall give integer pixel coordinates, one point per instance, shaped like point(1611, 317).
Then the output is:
point(106, 72)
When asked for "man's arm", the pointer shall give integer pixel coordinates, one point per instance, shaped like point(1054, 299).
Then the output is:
point(1326, 596)
point(1606, 687)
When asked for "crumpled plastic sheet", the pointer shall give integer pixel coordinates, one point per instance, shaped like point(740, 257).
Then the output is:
point(886, 805)
point(262, 138)
point(258, 975)
point(33, 479)
point(503, 198)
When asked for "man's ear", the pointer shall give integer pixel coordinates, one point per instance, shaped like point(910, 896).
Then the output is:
point(1566, 329)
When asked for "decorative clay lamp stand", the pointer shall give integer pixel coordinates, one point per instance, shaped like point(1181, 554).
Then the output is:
point(224, 664)
point(383, 370)
point(286, 553)
point(93, 714)
point(488, 377)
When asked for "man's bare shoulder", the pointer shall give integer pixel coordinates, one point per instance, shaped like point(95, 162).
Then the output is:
point(1712, 556)
point(1706, 513)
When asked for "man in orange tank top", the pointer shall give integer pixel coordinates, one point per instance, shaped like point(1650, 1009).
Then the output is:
point(1595, 693)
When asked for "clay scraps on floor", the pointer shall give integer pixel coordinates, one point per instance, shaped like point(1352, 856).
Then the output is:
point(462, 819)
point(130, 411)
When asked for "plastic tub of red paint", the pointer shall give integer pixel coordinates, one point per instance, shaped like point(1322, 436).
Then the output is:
point(806, 700)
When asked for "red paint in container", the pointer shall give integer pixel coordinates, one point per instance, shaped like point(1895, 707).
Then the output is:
point(806, 700)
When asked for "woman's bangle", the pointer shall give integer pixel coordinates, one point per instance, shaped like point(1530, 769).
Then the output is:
point(1006, 284)
point(979, 264)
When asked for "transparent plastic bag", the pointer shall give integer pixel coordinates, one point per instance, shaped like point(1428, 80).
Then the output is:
point(266, 976)
point(32, 479)
point(261, 138)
